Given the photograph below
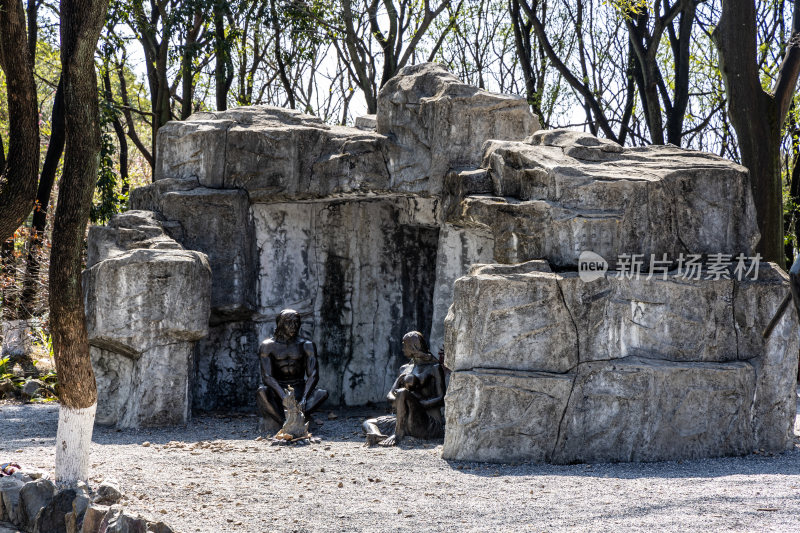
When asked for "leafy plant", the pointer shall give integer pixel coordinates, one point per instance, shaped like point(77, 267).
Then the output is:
point(48, 393)
point(51, 378)
point(5, 368)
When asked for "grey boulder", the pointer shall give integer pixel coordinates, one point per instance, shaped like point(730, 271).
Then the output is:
point(31, 388)
point(52, 517)
point(547, 367)
point(271, 153)
point(436, 122)
point(107, 493)
point(561, 192)
point(10, 503)
point(34, 496)
point(145, 308)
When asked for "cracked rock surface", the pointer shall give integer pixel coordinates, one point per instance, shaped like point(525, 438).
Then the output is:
point(547, 367)
point(560, 192)
point(147, 301)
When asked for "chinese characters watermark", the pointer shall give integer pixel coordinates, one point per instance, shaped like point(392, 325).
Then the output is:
point(592, 266)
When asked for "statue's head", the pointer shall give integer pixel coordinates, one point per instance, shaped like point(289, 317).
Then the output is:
point(287, 325)
point(415, 347)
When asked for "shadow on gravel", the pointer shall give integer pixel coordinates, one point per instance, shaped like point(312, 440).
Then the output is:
point(35, 425)
point(24, 425)
point(228, 427)
point(27, 425)
point(676, 509)
point(786, 463)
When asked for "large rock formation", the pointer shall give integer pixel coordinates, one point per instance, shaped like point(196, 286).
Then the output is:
point(548, 367)
point(340, 223)
point(366, 230)
point(147, 301)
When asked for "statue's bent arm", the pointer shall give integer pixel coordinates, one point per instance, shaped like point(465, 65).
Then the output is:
point(396, 385)
point(438, 400)
point(312, 368)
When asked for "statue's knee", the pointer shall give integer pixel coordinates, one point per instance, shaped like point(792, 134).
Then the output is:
point(402, 394)
point(316, 400)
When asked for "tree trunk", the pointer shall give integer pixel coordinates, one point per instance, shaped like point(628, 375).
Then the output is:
point(522, 43)
point(364, 77)
point(19, 176)
point(681, 46)
point(126, 112)
point(187, 74)
point(281, 65)
point(163, 110)
point(790, 216)
point(754, 116)
point(156, 64)
point(81, 22)
point(759, 144)
point(119, 131)
point(645, 47)
point(187, 63)
point(651, 102)
point(33, 28)
point(220, 50)
point(46, 181)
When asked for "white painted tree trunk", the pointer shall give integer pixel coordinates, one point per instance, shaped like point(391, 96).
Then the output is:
point(73, 439)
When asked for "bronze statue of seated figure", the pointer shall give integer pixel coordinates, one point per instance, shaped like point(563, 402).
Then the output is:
point(417, 396)
point(288, 363)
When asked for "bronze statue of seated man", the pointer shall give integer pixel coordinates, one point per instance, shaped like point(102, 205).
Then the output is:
point(417, 396)
point(288, 361)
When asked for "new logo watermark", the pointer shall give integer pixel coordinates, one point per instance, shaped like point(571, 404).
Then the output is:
point(591, 266)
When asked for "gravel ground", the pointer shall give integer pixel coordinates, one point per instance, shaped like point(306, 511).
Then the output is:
point(213, 476)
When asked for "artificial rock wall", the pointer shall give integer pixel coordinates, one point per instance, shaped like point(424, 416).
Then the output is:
point(346, 225)
point(366, 230)
point(547, 367)
point(147, 302)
